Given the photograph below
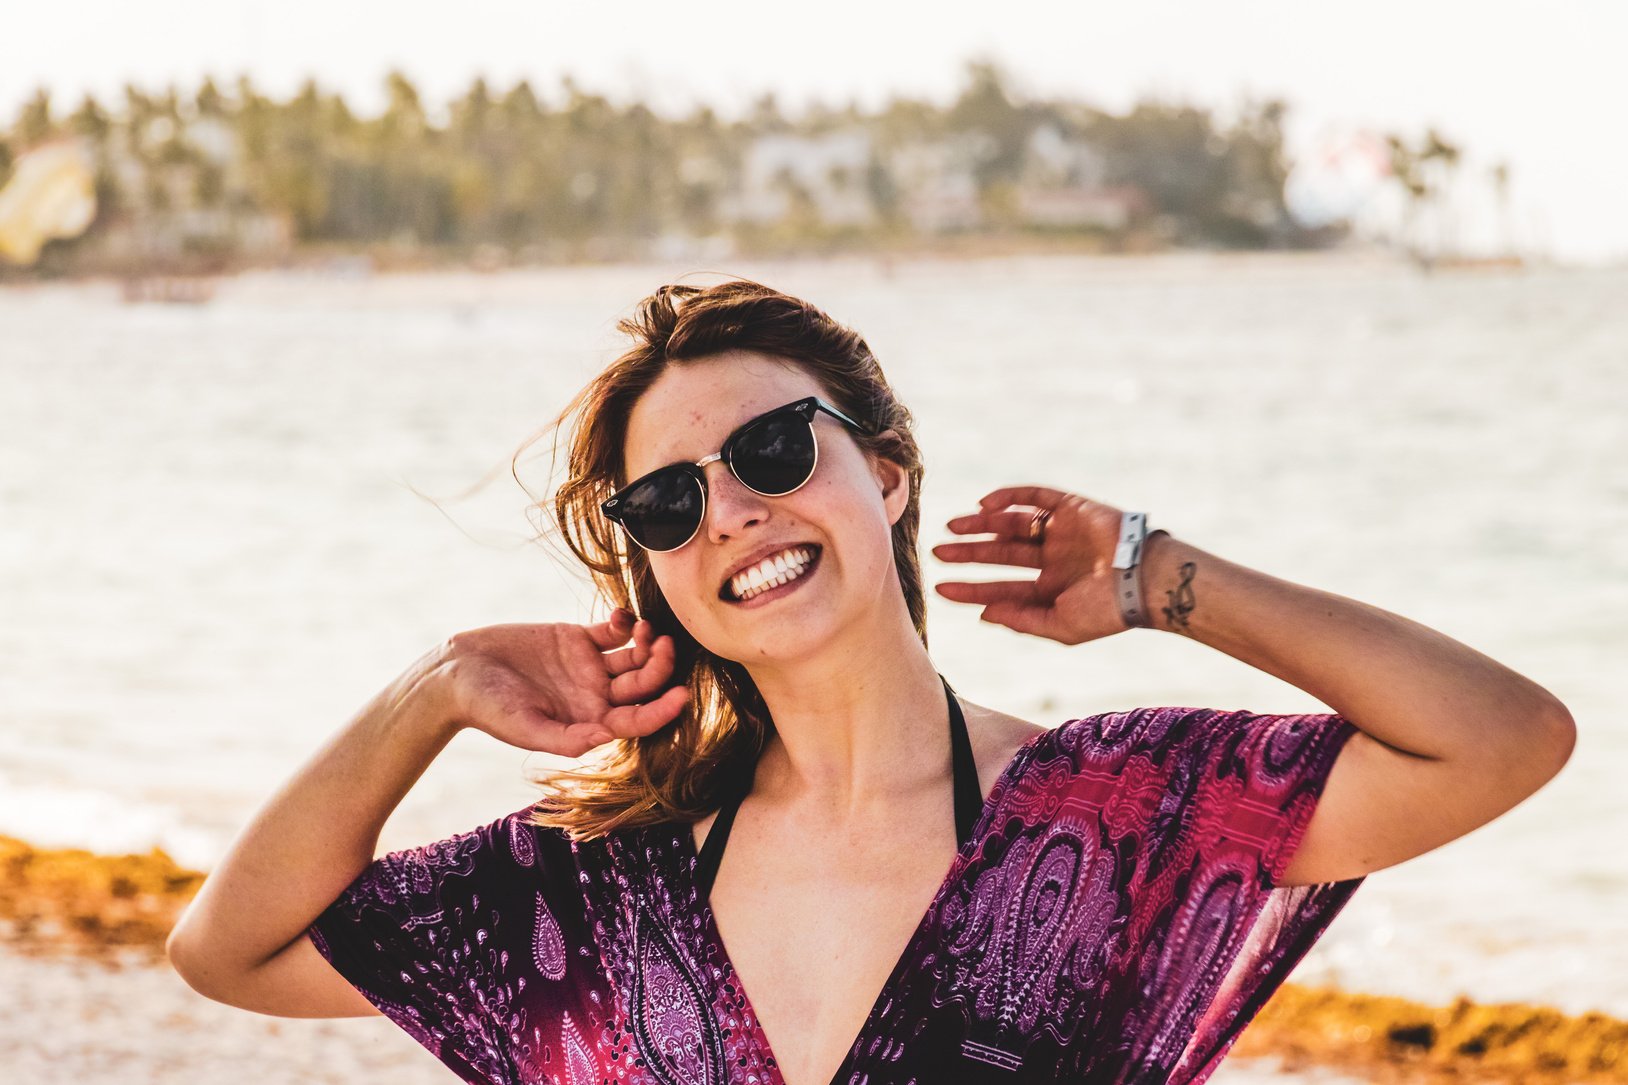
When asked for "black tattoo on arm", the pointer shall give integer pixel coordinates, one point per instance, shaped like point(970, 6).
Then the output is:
point(1181, 601)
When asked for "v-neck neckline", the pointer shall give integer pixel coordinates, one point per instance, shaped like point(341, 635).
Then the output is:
point(958, 866)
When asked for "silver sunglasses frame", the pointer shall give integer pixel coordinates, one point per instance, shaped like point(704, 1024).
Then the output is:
point(697, 469)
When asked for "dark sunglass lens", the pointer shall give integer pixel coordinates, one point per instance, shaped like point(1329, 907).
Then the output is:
point(663, 512)
point(776, 455)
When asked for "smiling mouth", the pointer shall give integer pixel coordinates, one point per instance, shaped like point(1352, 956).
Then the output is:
point(727, 591)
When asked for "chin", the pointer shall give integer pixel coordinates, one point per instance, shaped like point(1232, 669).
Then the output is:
point(803, 636)
point(777, 647)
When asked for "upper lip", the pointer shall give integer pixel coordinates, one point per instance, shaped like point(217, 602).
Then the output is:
point(758, 555)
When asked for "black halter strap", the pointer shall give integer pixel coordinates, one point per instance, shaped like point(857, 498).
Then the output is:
point(969, 800)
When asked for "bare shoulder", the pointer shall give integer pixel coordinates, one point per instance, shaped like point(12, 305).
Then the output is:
point(996, 738)
point(995, 722)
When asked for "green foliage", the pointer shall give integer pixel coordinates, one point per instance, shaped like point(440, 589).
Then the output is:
point(1221, 186)
point(35, 124)
point(90, 120)
point(581, 173)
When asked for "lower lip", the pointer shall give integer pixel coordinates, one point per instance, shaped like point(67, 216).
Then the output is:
point(766, 597)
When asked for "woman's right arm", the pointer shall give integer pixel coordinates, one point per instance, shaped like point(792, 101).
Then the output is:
point(548, 688)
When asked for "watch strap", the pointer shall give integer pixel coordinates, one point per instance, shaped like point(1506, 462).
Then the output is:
point(1133, 536)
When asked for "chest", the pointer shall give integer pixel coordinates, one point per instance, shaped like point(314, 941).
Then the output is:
point(815, 932)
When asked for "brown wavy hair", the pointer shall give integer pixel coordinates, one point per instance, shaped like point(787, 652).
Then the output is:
point(680, 772)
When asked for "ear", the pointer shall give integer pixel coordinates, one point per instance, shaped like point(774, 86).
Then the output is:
point(894, 482)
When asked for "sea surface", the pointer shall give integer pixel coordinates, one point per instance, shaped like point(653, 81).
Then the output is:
point(224, 527)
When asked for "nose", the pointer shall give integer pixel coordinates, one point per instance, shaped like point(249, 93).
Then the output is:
point(731, 507)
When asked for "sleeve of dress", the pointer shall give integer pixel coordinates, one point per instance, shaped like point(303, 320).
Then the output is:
point(426, 934)
point(1232, 794)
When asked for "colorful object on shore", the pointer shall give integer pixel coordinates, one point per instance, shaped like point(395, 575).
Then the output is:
point(1115, 916)
point(51, 195)
point(1338, 178)
point(1383, 1038)
point(70, 900)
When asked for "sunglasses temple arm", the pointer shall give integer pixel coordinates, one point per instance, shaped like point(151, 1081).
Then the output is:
point(834, 413)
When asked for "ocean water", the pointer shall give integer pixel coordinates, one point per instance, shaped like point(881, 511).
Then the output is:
point(218, 542)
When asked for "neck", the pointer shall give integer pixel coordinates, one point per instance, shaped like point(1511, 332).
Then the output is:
point(859, 728)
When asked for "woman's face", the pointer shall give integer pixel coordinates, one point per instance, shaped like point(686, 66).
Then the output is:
point(844, 514)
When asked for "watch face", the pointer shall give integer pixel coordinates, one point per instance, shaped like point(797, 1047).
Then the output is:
point(1132, 530)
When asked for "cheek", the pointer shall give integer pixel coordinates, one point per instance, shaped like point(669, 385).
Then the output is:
point(843, 509)
point(681, 586)
point(852, 514)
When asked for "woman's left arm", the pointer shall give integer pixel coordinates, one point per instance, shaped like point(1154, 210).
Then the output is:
point(1450, 739)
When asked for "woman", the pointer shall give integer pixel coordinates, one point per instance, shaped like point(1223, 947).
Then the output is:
point(915, 887)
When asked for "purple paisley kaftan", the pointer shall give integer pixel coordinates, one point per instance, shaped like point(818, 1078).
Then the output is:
point(1114, 917)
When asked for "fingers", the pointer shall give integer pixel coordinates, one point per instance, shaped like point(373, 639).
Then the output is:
point(1022, 617)
point(635, 655)
point(638, 720)
point(1013, 548)
point(1043, 497)
point(1013, 525)
point(991, 552)
point(643, 634)
point(1019, 592)
point(1012, 603)
point(641, 719)
point(640, 681)
point(613, 631)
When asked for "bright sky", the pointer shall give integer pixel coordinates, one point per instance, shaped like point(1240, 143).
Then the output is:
point(1542, 86)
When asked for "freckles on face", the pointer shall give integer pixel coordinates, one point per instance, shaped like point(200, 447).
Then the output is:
point(687, 414)
point(839, 519)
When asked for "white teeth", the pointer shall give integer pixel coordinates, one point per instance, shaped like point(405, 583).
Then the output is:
point(771, 572)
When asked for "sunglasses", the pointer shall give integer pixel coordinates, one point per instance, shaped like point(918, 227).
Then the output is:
point(772, 454)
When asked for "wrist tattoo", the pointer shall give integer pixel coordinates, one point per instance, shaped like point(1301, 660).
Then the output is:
point(1181, 601)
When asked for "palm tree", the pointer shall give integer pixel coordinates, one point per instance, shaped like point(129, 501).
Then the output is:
point(35, 124)
point(1436, 149)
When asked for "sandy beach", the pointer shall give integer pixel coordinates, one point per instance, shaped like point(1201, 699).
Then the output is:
point(80, 1020)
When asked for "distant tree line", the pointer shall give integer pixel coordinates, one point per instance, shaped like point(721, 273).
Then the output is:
point(578, 173)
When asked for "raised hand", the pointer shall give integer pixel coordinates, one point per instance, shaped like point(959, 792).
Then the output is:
point(561, 688)
point(1072, 600)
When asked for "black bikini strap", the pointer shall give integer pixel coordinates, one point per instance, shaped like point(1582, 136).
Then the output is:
point(712, 850)
point(969, 800)
point(969, 794)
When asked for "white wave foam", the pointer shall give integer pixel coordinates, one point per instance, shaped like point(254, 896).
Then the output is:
point(55, 817)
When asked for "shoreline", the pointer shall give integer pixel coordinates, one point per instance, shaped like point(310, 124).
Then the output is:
point(469, 285)
point(377, 262)
point(79, 918)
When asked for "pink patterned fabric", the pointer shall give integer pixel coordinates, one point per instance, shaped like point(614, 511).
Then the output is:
point(1115, 917)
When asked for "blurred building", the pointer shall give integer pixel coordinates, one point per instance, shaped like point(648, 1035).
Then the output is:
point(826, 174)
point(938, 190)
point(184, 199)
point(845, 178)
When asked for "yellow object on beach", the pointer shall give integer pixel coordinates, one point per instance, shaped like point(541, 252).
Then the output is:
point(51, 194)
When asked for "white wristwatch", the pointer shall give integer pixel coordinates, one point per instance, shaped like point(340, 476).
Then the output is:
point(1133, 533)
